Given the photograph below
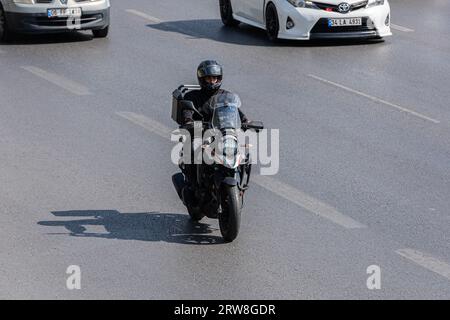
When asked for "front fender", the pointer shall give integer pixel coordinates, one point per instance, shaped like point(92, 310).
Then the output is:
point(220, 179)
point(230, 181)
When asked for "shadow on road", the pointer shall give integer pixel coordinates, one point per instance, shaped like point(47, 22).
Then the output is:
point(34, 39)
point(153, 226)
point(213, 29)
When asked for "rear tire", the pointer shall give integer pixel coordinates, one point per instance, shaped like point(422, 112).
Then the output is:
point(226, 13)
point(189, 200)
point(272, 23)
point(230, 216)
point(101, 33)
point(195, 213)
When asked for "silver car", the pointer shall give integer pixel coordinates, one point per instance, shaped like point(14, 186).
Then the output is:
point(48, 16)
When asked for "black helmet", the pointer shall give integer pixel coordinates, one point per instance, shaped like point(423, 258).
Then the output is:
point(212, 69)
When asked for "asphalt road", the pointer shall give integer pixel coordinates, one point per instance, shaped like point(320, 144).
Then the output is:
point(364, 161)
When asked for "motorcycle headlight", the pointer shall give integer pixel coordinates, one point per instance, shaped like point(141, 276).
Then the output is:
point(229, 163)
point(230, 151)
point(230, 147)
point(303, 4)
point(373, 3)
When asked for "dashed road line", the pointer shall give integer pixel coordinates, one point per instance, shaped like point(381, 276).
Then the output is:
point(307, 202)
point(62, 82)
point(147, 123)
point(144, 15)
point(428, 262)
point(375, 99)
point(400, 28)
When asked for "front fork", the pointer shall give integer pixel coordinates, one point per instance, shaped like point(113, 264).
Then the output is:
point(245, 173)
point(240, 178)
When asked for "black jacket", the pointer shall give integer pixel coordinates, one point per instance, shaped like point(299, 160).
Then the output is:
point(199, 98)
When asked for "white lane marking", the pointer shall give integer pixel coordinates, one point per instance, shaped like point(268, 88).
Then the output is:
point(144, 15)
point(279, 188)
point(307, 202)
point(147, 123)
point(400, 28)
point(387, 103)
point(155, 21)
point(426, 261)
point(60, 81)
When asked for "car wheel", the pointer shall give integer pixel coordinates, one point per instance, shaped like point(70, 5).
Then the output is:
point(226, 13)
point(5, 34)
point(101, 33)
point(272, 24)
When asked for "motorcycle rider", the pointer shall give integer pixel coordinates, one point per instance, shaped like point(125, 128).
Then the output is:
point(209, 75)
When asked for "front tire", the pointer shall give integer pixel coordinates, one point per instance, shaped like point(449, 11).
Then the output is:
point(272, 23)
point(101, 33)
point(5, 34)
point(226, 14)
point(230, 216)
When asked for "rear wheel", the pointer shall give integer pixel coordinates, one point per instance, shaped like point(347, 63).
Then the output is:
point(195, 212)
point(272, 23)
point(230, 216)
point(101, 33)
point(226, 13)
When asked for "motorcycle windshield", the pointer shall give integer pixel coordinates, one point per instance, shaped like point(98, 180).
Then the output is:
point(226, 111)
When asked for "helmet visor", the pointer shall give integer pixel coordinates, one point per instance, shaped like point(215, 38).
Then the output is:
point(213, 70)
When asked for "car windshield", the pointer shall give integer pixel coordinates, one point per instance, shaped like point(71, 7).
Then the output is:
point(225, 111)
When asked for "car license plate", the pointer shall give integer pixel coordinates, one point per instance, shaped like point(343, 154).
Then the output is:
point(345, 22)
point(64, 12)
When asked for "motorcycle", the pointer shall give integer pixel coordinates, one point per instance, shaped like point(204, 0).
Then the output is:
point(222, 182)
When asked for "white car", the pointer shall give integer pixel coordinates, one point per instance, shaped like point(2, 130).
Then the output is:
point(42, 16)
point(304, 20)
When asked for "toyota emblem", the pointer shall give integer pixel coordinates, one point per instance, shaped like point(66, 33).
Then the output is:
point(344, 7)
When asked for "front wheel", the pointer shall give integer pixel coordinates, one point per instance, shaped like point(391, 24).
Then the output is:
point(230, 215)
point(272, 23)
point(101, 33)
point(226, 14)
point(5, 34)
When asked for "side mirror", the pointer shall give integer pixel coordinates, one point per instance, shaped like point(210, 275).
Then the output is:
point(254, 125)
point(189, 105)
